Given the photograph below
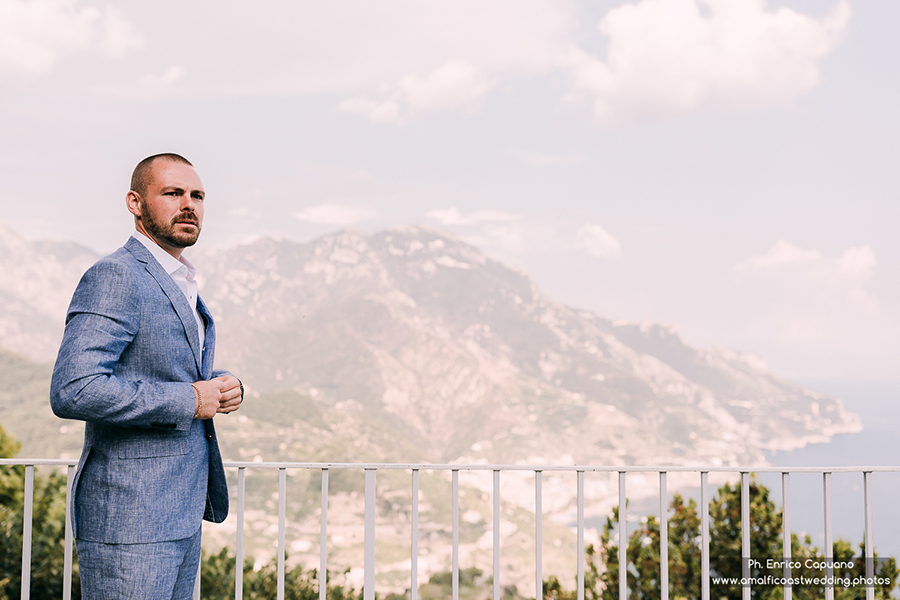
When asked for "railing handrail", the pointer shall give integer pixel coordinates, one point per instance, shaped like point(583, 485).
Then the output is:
point(506, 467)
point(370, 510)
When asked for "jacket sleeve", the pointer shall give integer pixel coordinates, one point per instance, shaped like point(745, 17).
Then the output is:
point(103, 319)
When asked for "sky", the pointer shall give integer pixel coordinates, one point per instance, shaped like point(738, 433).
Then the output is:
point(723, 166)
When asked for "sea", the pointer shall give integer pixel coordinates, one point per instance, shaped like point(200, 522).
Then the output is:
point(877, 445)
point(878, 405)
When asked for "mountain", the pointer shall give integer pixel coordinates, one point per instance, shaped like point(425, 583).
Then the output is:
point(36, 283)
point(409, 345)
point(466, 357)
point(411, 331)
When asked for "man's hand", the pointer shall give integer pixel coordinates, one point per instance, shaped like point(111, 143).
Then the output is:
point(231, 394)
point(207, 395)
point(219, 395)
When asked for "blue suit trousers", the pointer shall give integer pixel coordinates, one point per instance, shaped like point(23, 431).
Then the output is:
point(156, 571)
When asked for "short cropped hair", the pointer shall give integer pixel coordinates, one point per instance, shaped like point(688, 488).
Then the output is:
point(140, 179)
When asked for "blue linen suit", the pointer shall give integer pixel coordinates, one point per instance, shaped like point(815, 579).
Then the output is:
point(148, 471)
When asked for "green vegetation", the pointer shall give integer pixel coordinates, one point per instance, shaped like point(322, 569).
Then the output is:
point(217, 581)
point(48, 529)
point(601, 577)
point(473, 585)
point(725, 544)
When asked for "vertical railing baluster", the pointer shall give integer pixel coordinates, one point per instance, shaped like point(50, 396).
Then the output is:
point(455, 568)
point(580, 553)
point(239, 536)
point(786, 533)
point(282, 515)
point(663, 537)
point(371, 520)
point(538, 537)
point(497, 535)
point(196, 595)
point(869, 532)
point(369, 558)
point(623, 539)
point(704, 535)
point(829, 547)
point(67, 553)
point(414, 542)
point(745, 533)
point(323, 539)
point(26, 531)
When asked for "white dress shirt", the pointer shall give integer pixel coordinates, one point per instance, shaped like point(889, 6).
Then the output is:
point(182, 273)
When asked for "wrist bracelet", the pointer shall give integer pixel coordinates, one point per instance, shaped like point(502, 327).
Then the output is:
point(199, 402)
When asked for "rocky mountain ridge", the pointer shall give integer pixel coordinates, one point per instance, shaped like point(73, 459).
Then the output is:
point(36, 283)
point(409, 345)
point(414, 329)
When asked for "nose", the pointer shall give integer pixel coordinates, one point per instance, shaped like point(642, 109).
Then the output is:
point(188, 202)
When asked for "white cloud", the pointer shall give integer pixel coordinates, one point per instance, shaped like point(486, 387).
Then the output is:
point(385, 59)
point(457, 85)
point(854, 263)
point(495, 230)
point(394, 60)
point(118, 36)
point(804, 295)
point(513, 237)
point(334, 214)
point(388, 60)
point(858, 260)
point(597, 241)
point(34, 34)
point(671, 56)
point(779, 254)
point(170, 77)
point(452, 216)
point(509, 236)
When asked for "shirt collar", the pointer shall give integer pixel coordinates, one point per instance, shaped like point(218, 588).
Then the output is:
point(166, 260)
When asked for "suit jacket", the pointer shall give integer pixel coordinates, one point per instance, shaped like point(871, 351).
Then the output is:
point(148, 471)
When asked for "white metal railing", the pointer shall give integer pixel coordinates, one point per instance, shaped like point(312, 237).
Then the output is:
point(371, 470)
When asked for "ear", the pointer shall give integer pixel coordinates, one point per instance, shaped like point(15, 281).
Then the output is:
point(133, 203)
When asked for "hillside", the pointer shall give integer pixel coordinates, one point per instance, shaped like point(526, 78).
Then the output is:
point(409, 345)
point(471, 361)
point(419, 347)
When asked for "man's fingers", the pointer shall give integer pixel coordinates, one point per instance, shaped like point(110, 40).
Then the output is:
point(229, 396)
point(228, 382)
point(230, 402)
point(229, 406)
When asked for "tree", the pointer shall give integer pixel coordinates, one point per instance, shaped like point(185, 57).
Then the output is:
point(643, 552)
point(217, 581)
point(725, 555)
point(48, 529)
point(726, 543)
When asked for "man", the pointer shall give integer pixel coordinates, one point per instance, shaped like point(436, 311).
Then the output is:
point(136, 363)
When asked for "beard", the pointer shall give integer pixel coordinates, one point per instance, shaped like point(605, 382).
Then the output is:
point(168, 232)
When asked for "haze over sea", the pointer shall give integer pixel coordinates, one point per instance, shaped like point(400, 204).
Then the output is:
point(878, 405)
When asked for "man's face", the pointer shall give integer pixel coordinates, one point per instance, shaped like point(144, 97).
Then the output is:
point(171, 210)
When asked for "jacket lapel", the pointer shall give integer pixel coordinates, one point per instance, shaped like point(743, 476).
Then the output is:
point(209, 340)
point(176, 297)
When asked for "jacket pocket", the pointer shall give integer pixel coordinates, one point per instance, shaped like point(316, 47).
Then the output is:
point(153, 447)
